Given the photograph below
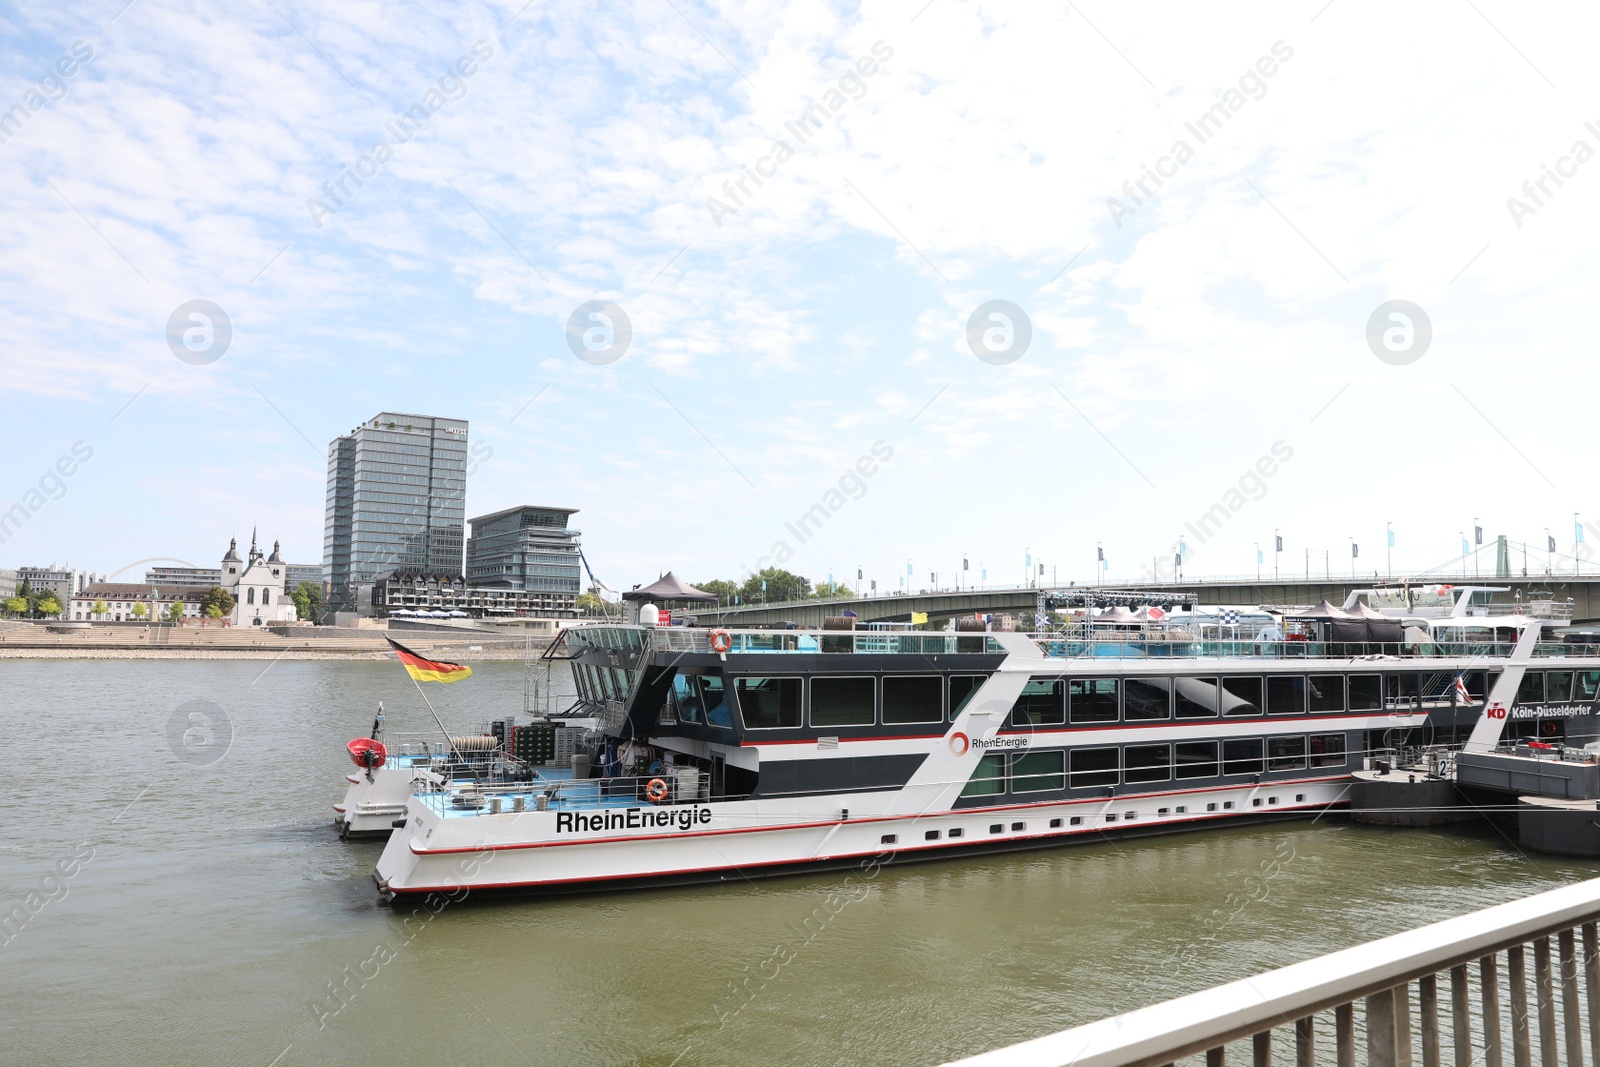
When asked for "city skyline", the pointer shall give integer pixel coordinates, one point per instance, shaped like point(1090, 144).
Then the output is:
point(1183, 309)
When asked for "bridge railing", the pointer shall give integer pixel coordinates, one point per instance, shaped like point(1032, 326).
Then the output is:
point(1459, 987)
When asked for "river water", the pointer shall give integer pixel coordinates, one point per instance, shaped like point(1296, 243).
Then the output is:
point(185, 900)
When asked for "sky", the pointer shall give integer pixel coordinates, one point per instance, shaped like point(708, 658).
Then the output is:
point(1198, 221)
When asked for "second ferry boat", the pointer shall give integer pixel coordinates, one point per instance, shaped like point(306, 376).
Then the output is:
point(725, 754)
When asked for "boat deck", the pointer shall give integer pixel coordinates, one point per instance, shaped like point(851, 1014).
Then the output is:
point(560, 792)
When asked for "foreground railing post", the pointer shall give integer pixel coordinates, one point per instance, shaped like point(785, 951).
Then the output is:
point(1382, 1040)
point(1544, 990)
point(1428, 1001)
point(1520, 1053)
point(1569, 999)
point(1214, 1057)
point(1591, 981)
point(1489, 979)
point(1460, 1016)
point(1305, 1042)
point(1261, 1047)
point(1344, 1025)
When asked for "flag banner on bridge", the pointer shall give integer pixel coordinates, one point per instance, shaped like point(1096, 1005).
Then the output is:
point(1280, 543)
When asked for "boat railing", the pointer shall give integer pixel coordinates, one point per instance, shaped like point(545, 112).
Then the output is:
point(1131, 642)
point(678, 786)
point(1442, 993)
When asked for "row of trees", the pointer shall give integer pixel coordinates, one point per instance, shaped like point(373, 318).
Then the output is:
point(771, 586)
point(32, 604)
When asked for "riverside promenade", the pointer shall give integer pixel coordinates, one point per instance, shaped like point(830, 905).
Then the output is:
point(29, 640)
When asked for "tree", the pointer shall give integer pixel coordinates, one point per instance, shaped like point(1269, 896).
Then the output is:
point(831, 590)
point(99, 609)
point(17, 605)
point(591, 602)
point(217, 603)
point(781, 585)
point(49, 605)
point(175, 611)
point(724, 590)
point(307, 598)
point(139, 610)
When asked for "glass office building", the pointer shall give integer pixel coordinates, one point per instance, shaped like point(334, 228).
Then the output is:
point(528, 548)
point(396, 501)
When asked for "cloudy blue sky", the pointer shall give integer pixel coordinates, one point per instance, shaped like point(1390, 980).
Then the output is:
point(1177, 335)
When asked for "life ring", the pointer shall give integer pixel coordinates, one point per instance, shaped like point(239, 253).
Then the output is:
point(1549, 729)
point(656, 790)
point(721, 641)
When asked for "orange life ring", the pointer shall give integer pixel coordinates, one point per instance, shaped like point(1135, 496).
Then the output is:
point(721, 641)
point(1549, 729)
point(656, 790)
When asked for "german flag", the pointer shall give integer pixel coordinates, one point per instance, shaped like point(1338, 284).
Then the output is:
point(428, 670)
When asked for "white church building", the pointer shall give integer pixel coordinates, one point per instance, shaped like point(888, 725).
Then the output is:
point(256, 585)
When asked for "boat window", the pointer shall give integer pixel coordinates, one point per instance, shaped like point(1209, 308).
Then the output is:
point(841, 701)
point(1327, 692)
point(1036, 772)
point(989, 779)
point(1558, 686)
point(1241, 755)
point(1366, 692)
point(1094, 766)
point(1327, 750)
point(1400, 690)
point(1531, 691)
point(1241, 696)
point(1286, 694)
point(1147, 763)
point(1586, 685)
point(1092, 700)
point(962, 687)
point(715, 704)
point(1197, 697)
point(1195, 759)
point(769, 703)
point(919, 699)
point(1286, 753)
point(1146, 698)
point(687, 695)
point(1043, 703)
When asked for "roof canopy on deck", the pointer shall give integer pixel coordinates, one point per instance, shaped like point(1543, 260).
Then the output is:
point(670, 587)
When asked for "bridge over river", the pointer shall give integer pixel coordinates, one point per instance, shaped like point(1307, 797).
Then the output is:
point(1583, 591)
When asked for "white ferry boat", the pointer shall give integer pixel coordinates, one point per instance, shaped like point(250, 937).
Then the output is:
point(725, 755)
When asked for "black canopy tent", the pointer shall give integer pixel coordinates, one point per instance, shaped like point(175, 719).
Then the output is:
point(1362, 626)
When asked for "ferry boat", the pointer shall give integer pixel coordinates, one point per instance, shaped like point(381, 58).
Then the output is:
point(732, 754)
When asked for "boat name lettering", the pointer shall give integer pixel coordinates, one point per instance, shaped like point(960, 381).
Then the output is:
point(1548, 711)
point(570, 822)
point(1001, 742)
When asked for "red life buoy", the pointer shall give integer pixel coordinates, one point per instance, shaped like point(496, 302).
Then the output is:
point(721, 641)
point(366, 752)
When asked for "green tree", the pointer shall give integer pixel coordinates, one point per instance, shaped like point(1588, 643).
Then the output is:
point(217, 603)
point(591, 602)
point(175, 611)
point(725, 591)
point(17, 605)
point(48, 605)
point(831, 591)
point(139, 610)
point(307, 598)
point(781, 586)
point(99, 609)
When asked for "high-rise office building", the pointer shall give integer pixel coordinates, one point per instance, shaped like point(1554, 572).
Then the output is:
point(396, 501)
point(528, 548)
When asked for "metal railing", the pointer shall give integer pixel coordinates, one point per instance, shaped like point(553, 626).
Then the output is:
point(568, 794)
point(1102, 643)
point(1385, 996)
